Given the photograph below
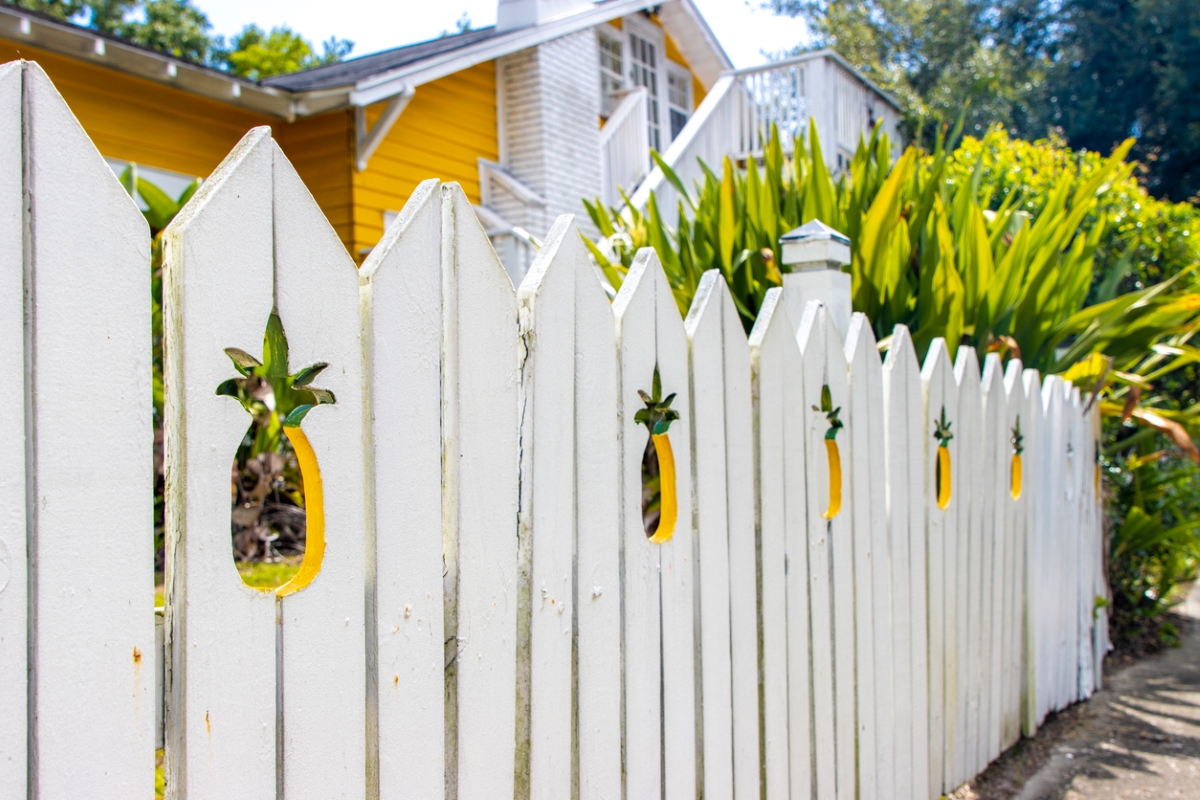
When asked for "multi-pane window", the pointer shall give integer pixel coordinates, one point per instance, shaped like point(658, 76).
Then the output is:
point(679, 99)
point(643, 71)
point(611, 71)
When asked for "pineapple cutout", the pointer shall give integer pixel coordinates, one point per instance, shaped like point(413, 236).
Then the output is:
point(1015, 474)
point(660, 505)
point(833, 456)
point(294, 397)
point(942, 470)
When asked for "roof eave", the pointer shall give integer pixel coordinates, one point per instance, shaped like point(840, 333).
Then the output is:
point(20, 27)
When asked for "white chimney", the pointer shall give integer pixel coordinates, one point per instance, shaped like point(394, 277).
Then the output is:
point(514, 14)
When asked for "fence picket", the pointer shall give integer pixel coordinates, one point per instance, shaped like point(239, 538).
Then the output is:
point(323, 660)
point(831, 591)
point(941, 402)
point(870, 522)
point(650, 334)
point(14, 608)
point(966, 578)
point(479, 406)
point(1014, 555)
point(783, 552)
point(597, 539)
point(995, 493)
point(723, 490)
point(402, 302)
point(1031, 411)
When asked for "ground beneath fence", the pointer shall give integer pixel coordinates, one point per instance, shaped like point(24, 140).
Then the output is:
point(1137, 738)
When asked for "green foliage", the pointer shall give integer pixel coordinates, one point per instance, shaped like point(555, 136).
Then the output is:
point(1154, 514)
point(181, 29)
point(255, 54)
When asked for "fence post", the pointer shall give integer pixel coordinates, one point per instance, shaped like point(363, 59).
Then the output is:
point(76, 478)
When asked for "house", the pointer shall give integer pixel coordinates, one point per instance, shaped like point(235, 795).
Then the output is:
point(560, 100)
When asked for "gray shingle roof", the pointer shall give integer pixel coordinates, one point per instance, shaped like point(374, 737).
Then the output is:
point(349, 72)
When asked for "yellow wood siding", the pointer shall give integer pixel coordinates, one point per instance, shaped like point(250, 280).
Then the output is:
point(321, 149)
point(673, 54)
point(134, 119)
point(449, 124)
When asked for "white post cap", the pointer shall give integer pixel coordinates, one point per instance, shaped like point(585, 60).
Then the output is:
point(815, 245)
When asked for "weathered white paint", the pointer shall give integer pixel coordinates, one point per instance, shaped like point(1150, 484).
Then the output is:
point(490, 618)
point(322, 627)
point(783, 552)
point(597, 543)
point(940, 392)
point(402, 335)
point(725, 566)
point(969, 480)
point(480, 376)
point(650, 333)
point(825, 365)
point(13, 565)
point(869, 516)
point(89, 516)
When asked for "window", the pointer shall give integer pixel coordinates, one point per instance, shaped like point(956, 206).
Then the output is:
point(611, 72)
point(643, 71)
point(679, 99)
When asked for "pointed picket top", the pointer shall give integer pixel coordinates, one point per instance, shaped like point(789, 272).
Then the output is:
point(940, 417)
point(867, 466)
point(402, 298)
point(651, 335)
point(724, 497)
point(76, 523)
point(778, 372)
point(256, 212)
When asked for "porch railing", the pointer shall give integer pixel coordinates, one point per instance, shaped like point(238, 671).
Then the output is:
point(624, 158)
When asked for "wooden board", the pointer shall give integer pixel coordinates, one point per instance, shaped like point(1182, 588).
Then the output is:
point(14, 607)
point(480, 376)
point(783, 552)
point(971, 479)
point(322, 626)
point(940, 392)
point(402, 324)
point(869, 517)
point(658, 612)
point(90, 518)
point(724, 498)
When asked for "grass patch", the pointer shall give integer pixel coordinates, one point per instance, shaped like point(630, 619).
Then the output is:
point(262, 575)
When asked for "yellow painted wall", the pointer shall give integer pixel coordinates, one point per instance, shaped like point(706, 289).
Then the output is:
point(321, 149)
point(448, 125)
point(673, 54)
point(134, 119)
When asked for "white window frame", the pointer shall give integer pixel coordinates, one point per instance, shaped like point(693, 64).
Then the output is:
point(679, 73)
point(643, 28)
point(609, 100)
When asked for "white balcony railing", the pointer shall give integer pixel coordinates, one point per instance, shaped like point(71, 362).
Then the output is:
point(624, 157)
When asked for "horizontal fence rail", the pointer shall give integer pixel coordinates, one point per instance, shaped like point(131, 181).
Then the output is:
point(557, 546)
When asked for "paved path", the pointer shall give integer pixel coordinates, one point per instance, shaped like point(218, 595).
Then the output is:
point(1137, 738)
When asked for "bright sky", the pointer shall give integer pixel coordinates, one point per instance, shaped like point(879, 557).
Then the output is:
point(742, 26)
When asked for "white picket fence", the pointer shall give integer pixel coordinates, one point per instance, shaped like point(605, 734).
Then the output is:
point(489, 620)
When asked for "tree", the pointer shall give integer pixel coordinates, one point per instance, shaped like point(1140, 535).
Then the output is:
point(1132, 67)
point(254, 54)
point(181, 29)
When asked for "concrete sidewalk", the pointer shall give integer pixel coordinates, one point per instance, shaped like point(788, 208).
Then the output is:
point(1137, 738)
